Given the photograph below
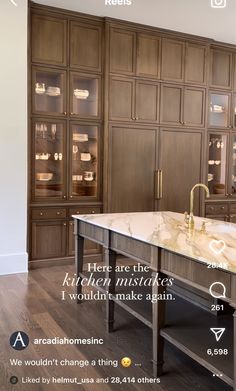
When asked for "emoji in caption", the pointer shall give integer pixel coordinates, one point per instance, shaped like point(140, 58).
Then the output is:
point(126, 362)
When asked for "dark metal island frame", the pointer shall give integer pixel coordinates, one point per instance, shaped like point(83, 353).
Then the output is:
point(163, 242)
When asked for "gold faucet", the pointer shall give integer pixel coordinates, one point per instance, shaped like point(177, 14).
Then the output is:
point(189, 218)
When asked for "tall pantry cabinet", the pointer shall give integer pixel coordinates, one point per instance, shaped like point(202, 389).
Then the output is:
point(154, 118)
point(65, 131)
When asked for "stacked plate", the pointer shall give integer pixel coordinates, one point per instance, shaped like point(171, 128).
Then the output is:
point(53, 91)
point(80, 137)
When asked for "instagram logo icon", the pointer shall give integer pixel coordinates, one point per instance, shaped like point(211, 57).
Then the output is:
point(218, 3)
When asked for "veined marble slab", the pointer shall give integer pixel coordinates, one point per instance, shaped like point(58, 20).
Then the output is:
point(168, 230)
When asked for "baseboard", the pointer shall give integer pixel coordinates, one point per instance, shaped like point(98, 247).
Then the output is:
point(13, 263)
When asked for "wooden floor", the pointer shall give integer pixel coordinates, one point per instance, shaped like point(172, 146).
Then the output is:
point(32, 303)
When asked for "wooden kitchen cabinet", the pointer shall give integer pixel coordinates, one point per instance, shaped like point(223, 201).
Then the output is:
point(182, 105)
point(180, 163)
point(219, 109)
point(132, 165)
point(196, 63)
point(122, 51)
point(86, 46)
point(48, 239)
point(221, 68)
point(194, 107)
point(133, 100)
point(172, 63)
point(148, 56)
point(49, 39)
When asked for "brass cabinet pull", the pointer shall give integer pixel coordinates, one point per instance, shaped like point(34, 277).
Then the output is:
point(158, 184)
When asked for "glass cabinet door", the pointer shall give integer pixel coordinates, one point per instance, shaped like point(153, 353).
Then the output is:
point(84, 161)
point(217, 164)
point(233, 168)
point(219, 110)
point(49, 95)
point(234, 111)
point(85, 96)
point(49, 158)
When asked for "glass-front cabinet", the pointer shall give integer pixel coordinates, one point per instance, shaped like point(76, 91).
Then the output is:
point(84, 169)
point(49, 92)
point(218, 164)
point(220, 111)
point(49, 158)
point(233, 166)
point(85, 95)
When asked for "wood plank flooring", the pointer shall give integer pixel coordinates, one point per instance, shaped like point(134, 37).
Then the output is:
point(32, 303)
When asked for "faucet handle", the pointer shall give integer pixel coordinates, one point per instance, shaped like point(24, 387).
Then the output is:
point(186, 217)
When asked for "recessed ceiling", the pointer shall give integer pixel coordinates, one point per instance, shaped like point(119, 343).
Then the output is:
point(190, 16)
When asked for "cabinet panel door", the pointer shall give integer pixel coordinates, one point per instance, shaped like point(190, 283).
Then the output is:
point(196, 61)
point(172, 65)
point(194, 106)
point(48, 239)
point(121, 106)
point(85, 46)
point(48, 40)
point(132, 162)
point(148, 56)
point(122, 51)
point(221, 68)
point(171, 104)
point(180, 162)
point(147, 101)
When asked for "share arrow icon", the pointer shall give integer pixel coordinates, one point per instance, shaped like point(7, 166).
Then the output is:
point(218, 332)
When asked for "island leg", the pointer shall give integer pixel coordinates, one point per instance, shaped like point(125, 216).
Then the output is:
point(158, 321)
point(110, 262)
point(79, 257)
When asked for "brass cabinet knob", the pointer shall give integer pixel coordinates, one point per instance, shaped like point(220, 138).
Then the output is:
point(64, 196)
point(133, 118)
point(65, 113)
point(222, 208)
point(71, 223)
point(77, 212)
point(64, 224)
point(41, 213)
point(58, 213)
point(93, 211)
point(71, 196)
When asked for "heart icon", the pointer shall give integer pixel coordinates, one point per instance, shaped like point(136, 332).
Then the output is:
point(217, 246)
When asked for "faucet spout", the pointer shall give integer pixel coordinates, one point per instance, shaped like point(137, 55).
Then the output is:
point(190, 219)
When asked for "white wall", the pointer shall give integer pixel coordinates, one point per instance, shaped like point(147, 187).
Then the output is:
point(190, 16)
point(13, 136)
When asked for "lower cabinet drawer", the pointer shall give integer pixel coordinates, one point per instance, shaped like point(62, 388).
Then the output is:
point(48, 213)
point(84, 210)
point(216, 209)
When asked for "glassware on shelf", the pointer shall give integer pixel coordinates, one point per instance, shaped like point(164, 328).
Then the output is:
point(217, 164)
point(48, 163)
point(53, 131)
point(84, 141)
point(40, 88)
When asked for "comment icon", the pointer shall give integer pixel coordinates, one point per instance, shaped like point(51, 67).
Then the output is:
point(221, 294)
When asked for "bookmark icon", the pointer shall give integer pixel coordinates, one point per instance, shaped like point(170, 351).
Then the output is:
point(218, 332)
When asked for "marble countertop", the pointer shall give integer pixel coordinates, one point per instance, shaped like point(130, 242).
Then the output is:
point(168, 230)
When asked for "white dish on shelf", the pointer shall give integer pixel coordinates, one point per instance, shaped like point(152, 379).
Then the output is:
point(211, 162)
point(85, 157)
point(44, 176)
point(81, 137)
point(53, 91)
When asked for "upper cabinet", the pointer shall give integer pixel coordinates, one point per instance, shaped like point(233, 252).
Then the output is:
point(221, 68)
point(86, 46)
point(196, 63)
point(122, 51)
point(49, 37)
point(182, 105)
point(148, 56)
point(172, 64)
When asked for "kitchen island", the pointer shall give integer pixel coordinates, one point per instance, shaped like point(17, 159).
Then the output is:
point(198, 258)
